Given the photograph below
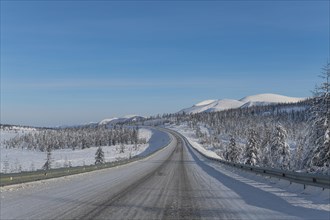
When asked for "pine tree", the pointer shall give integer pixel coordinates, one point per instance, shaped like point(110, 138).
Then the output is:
point(122, 148)
point(135, 135)
point(320, 122)
point(252, 149)
point(280, 151)
point(265, 147)
point(48, 163)
point(299, 152)
point(99, 156)
point(233, 152)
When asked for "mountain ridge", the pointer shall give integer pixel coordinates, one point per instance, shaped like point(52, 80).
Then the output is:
point(245, 102)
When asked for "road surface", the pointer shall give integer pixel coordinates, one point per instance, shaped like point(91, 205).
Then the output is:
point(174, 183)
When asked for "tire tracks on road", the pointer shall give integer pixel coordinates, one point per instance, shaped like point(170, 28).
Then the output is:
point(165, 193)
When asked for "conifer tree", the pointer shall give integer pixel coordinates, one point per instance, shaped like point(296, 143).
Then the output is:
point(320, 122)
point(99, 156)
point(233, 152)
point(265, 147)
point(299, 152)
point(280, 151)
point(48, 163)
point(252, 149)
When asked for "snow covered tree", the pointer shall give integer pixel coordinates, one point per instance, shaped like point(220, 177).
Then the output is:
point(251, 157)
point(320, 122)
point(280, 151)
point(233, 151)
point(135, 146)
point(74, 138)
point(299, 153)
point(135, 135)
point(265, 147)
point(99, 156)
point(122, 148)
point(48, 163)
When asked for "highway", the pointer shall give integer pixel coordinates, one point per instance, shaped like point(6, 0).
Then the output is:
point(174, 183)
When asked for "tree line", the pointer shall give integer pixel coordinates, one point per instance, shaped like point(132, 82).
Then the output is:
point(75, 138)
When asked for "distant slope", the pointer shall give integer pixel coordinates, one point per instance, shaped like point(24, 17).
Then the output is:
point(107, 121)
point(208, 106)
point(128, 118)
point(270, 98)
point(248, 101)
point(225, 104)
point(206, 102)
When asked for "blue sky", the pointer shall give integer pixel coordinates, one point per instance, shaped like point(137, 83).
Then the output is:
point(80, 61)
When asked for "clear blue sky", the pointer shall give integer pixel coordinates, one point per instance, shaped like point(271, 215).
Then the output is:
point(80, 61)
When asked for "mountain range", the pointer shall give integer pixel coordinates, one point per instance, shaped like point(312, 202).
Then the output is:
point(128, 118)
point(248, 101)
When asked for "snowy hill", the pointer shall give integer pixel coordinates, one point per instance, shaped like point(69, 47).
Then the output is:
point(248, 101)
point(213, 106)
point(107, 121)
point(270, 98)
point(128, 118)
point(206, 102)
point(225, 104)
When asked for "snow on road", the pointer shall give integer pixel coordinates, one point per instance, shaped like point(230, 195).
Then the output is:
point(253, 191)
point(175, 183)
point(294, 193)
point(61, 198)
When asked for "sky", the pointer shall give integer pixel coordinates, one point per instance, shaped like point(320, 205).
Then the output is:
point(74, 62)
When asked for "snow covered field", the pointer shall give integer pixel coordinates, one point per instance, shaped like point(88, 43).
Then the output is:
point(15, 160)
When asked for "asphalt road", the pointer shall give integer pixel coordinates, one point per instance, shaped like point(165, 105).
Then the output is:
point(174, 183)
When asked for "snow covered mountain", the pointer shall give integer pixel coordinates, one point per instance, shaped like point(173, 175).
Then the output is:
point(213, 106)
point(266, 99)
point(224, 104)
point(248, 101)
point(128, 118)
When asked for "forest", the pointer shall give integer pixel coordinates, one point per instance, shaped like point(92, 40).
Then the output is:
point(75, 138)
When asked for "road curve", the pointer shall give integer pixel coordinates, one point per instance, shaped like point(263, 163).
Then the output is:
point(174, 183)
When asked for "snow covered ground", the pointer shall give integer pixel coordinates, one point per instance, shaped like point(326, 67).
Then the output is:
point(182, 129)
point(283, 196)
point(184, 184)
point(14, 160)
point(311, 197)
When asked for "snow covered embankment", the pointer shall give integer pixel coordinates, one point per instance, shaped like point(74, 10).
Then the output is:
point(297, 194)
point(189, 135)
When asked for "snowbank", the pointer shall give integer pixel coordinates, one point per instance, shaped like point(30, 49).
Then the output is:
point(190, 136)
point(158, 140)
